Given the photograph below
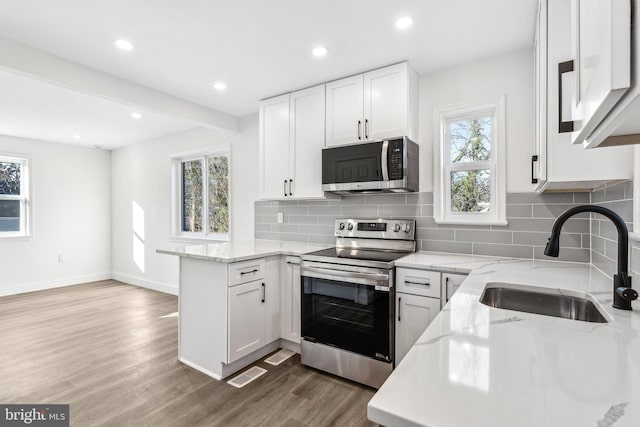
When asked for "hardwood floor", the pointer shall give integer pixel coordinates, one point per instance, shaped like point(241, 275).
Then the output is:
point(110, 351)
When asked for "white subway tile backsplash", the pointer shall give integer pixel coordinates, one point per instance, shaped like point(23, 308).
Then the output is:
point(530, 218)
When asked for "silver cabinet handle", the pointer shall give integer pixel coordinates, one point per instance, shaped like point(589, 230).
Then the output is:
point(359, 129)
point(285, 188)
point(399, 307)
point(264, 292)
point(411, 282)
point(290, 186)
point(366, 128)
point(242, 273)
point(384, 162)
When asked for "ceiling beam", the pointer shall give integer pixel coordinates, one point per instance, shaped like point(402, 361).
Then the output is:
point(38, 64)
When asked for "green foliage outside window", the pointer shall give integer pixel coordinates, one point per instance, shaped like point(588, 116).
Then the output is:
point(193, 193)
point(470, 142)
point(219, 194)
point(9, 178)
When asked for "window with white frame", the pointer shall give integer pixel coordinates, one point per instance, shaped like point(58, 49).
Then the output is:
point(201, 195)
point(470, 167)
point(14, 196)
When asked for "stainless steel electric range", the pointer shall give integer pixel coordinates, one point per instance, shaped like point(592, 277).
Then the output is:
point(348, 299)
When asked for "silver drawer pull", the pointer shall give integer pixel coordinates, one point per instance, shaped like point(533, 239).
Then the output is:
point(242, 273)
point(410, 282)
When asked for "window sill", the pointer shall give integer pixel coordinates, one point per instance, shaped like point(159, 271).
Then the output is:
point(15, 238)
point(467, 222)
point(191, 239)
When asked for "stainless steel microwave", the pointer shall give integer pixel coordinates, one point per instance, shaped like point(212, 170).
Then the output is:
point(371, 167)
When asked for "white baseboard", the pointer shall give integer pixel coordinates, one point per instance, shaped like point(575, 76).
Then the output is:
point(201, 369)
point(149, 284)
point(40, 286)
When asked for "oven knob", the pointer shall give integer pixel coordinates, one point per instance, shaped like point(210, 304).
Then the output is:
point(341, 226)
point(396, 228)
point(406, 228)
point(350, 226)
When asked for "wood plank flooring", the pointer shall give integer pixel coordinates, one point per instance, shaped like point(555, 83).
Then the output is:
point(110, 351)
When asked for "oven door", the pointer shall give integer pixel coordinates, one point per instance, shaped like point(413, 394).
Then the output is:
point(348, 307)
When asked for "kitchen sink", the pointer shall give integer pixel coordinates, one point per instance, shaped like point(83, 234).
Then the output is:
point(541, 301)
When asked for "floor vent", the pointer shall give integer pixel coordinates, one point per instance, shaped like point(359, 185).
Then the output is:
point(247, 376)
point(279, 357)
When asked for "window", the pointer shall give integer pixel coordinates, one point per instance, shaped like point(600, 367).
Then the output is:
point(470, 165)
point(14, 196)
point(201, 195)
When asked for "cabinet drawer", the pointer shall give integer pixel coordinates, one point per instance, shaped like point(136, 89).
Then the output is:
point(418, 282)
point(246, 271)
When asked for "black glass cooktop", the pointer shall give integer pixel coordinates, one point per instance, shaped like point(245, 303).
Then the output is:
point(360, 254)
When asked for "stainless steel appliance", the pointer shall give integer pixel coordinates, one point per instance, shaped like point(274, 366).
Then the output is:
point(348, 299)
point(379, 166)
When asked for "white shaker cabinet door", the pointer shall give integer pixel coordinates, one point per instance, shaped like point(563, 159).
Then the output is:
point(307, 127)
point(451, 283)
point(344, 111)
point(601, 34)
point(246, 319)
point(272, 299)
point(291, 300)
point(386, 102)
point(413, 315)
point(274, 148)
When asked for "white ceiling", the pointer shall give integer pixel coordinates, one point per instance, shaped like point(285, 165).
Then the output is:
point(259, 48)
point(33, 109)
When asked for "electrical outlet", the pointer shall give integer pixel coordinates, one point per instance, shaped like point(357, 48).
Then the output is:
point(60, 258)
point(280, 217)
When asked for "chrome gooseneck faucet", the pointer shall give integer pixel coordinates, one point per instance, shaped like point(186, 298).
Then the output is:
point(623, 294)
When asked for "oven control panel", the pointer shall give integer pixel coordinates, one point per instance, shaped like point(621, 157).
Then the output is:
point(380, 228)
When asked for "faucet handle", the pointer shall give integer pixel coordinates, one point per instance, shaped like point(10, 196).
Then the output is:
point(628, 294)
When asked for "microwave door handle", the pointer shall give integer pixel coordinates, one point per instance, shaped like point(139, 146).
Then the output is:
point(385, 163)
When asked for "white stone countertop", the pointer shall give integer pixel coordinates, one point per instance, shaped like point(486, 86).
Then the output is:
point(240, 250)
point(482, 366)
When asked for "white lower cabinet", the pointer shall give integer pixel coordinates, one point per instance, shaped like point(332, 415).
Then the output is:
point(246, 319)
point(254, 311)
point(451, 283)
point(290, 313)
point(413, 315)
point(419, 296)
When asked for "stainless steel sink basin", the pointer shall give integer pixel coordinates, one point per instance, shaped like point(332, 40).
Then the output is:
point(536, 300)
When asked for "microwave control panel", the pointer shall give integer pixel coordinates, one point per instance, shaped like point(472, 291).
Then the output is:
point(396, 155)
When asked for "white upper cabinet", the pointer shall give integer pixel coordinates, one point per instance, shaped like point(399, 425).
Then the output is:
point(306, 119)
point(386, 102)
point(291, 142)
point(374, 105)
point(345, 111)
point(601, 60)
point(604, 91)
point(274, 147)
point(557, 164)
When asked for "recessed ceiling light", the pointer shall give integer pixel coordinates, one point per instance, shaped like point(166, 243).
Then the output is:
point(77, 137)
point(404, 22)
point(319, 51)
point(219, 86)
point(123, 44)
point(136, 116)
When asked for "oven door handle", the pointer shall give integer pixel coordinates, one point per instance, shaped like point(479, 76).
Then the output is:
point(370, 279)
point(385, 163)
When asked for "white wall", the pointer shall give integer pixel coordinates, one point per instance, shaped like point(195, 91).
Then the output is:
point(71, 198)
point(141, 173)
point(480, 82)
